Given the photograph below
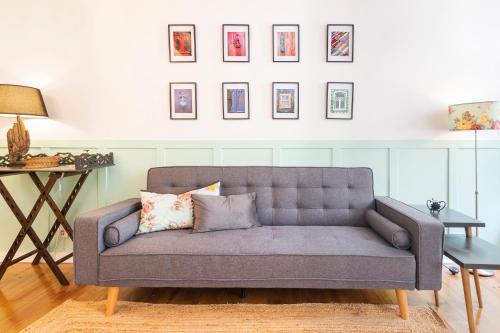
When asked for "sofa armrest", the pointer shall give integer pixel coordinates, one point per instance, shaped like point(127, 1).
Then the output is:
point(89, 237)
point(426, 238)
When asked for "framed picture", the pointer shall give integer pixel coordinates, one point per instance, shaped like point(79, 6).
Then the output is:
point(339, 100)
point(182, 42)
point(235, 43)
point(235, 100)
point(285, 100)
point(183, 100)
point(286, 44)
point(339, 43)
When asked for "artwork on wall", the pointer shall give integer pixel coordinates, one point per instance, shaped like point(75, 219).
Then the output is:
point(235, 42)
point(182, 42)
point(339, 100)
point(183, 100)
point(285, 100)
point(286, 44)
point(235, 100)
point(340, 42)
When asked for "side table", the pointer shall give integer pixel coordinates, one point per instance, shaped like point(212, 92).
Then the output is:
point(41, 248)
point(468, 252)
point(471, 253)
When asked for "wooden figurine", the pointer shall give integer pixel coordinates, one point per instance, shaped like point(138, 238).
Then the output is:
point(18, 141)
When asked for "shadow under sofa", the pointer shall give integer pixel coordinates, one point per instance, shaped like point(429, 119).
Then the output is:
point(314, 234)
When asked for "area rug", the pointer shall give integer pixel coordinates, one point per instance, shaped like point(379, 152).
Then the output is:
point(76, 316)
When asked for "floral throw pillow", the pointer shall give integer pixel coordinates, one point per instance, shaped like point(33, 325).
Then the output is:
point(170, 211)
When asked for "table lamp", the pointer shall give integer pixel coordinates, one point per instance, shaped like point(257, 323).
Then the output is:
point(20, 101)
point(475, 117)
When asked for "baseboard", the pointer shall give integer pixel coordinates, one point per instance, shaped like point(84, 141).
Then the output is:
point(55, 255)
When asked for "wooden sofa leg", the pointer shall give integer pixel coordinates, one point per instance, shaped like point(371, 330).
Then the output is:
point(403, 303)
point(436, 297)
point(112, 299)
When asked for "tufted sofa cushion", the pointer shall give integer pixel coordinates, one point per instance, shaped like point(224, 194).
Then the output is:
point(285, 195)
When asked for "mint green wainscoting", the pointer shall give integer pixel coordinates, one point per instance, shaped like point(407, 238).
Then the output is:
point(412, 171)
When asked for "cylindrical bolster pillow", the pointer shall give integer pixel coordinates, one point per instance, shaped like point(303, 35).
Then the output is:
point(122, 230)
point(390, 231)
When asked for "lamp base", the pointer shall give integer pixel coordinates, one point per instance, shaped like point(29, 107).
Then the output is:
point(18, 143)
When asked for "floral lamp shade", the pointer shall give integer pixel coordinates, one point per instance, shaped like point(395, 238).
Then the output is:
point(474, 116)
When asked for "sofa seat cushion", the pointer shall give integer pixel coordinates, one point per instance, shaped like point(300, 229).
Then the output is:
point(352, 257)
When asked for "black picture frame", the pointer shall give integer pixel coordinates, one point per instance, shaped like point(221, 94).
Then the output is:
point(274, 97)
point(298, 41)
point(248, 101)
point(195, 99)
point(170, 43)
point(352, 100)
point(223, 42)
point(328, 42)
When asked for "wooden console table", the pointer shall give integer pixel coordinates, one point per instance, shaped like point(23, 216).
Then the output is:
point(41, 250)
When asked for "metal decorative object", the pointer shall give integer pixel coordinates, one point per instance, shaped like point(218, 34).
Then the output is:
point(435, 206)
point(90, 161)
point(18, 143)
point(85, 161)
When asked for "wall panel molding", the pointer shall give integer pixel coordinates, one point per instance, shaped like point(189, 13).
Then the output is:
point(409, 170)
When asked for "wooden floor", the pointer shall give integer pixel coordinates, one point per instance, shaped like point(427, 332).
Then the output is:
point(28, 292)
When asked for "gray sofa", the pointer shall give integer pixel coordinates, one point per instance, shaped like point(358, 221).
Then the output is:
point(314, 235)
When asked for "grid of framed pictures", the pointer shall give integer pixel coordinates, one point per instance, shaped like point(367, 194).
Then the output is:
point(285, 100)
point(285, 39)
point(285, 48)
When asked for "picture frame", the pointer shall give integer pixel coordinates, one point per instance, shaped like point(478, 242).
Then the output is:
point(286, 43)
point(285, 104)
point(182, 42)
point(235, 100)
point(236, 43)
point(339, 100)
point(340, 42)
point(183, 101)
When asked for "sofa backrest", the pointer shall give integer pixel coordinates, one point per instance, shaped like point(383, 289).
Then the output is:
point(285, 195)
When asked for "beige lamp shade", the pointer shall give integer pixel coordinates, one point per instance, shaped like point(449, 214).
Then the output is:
point(21, 101)
point(474, 116)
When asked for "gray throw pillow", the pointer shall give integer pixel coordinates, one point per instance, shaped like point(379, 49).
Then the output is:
point(224, 212)
point(390, 231)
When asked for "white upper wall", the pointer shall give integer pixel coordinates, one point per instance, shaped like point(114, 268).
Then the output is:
point(103, 68)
